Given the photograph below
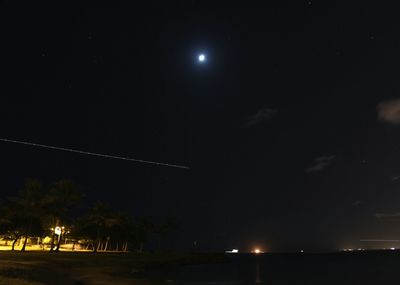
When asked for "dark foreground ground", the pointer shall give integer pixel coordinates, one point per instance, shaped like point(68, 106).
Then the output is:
point(34, 268)
point(369, 267)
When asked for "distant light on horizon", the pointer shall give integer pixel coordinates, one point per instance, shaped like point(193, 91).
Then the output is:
point(232, 251)
point(257, 251)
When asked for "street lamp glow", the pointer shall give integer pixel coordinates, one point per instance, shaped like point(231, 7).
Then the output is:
point(57, 231)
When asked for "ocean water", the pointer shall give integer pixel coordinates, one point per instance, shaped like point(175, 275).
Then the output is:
point(269, 269)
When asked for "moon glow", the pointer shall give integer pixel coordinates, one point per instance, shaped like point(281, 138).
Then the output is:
point(202, 58)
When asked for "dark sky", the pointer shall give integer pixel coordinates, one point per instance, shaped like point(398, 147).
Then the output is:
point(290, 128)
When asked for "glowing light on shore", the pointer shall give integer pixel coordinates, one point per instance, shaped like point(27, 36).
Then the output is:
point(232, 251)
point(257, 251)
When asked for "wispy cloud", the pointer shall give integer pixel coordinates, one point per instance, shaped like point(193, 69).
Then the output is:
point(387, 215)
point(357, 203)
point(395, 177)
point(320, 163)
point(389, 111)
point(325, 158)
point(261, 116)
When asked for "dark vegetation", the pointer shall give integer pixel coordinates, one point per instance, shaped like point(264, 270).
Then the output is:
point(48, 216)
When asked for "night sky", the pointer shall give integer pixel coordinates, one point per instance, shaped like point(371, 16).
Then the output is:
point(291, 127)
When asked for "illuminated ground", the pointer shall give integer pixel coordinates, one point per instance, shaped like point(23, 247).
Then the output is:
point(38, 248)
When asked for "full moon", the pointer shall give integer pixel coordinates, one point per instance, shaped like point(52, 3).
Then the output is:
point(202, 58)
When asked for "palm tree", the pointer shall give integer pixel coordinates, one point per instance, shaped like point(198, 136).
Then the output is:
point(58, 202)
point(11, 225)
point(22, 213)
point(30, 203)
point(123, 230)
point(142, 231)
point(99, 224)
point(163, 229)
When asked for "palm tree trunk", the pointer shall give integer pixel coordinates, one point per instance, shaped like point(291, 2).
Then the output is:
point(25, 241)
point(96, 247)
point(59, 242)
point(106, 245)
point(52, 241)
point(14, 242)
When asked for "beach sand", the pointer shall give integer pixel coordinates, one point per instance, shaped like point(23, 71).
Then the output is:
point(66, 268)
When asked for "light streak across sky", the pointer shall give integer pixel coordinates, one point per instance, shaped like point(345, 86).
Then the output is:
point(379, 240)
point(94, 154)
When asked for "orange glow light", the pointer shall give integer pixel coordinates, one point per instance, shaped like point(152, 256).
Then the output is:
point(257, 251)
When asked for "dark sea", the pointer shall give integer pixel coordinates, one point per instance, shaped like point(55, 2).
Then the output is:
point(269, 269)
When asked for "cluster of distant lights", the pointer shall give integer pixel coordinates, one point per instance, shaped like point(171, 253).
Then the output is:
point(363, 249)
point(259, 251)
point(254, 251)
